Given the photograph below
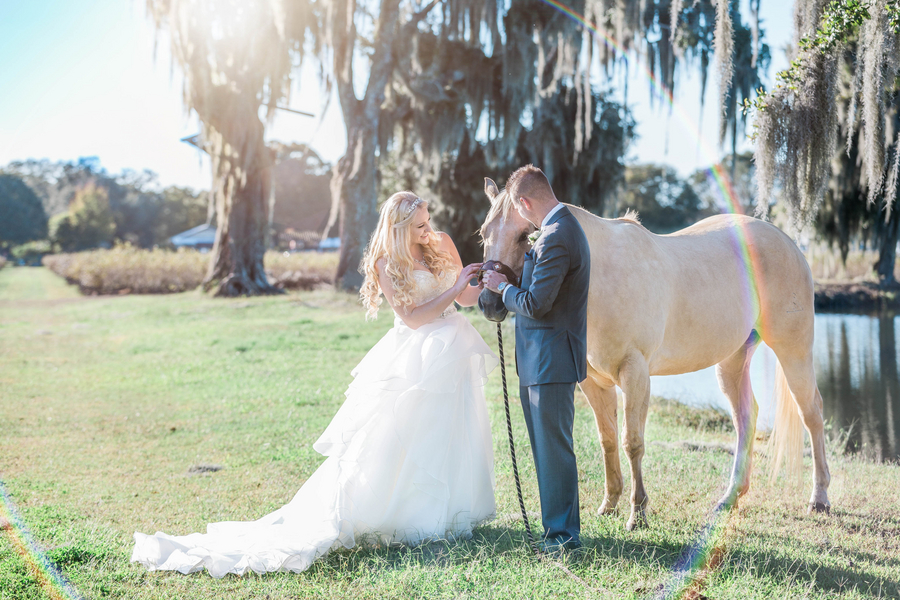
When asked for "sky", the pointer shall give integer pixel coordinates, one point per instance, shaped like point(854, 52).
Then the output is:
point(91, 78)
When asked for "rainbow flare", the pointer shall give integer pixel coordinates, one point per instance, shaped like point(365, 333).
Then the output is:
point(716, 173)
point(48, 577)
point(705, 553)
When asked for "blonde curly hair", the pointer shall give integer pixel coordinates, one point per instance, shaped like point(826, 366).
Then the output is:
point(391, 241)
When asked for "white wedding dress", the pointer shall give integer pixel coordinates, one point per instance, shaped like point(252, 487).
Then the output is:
point(410, 459)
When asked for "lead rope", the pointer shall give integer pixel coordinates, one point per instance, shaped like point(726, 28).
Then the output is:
point(512, 452)
point(512, 445)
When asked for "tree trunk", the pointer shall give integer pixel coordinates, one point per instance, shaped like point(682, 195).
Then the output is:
point(887, 255)
point(242, 176)
point(354, 187)
point(355, 190)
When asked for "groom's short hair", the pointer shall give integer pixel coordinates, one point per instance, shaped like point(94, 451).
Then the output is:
point(530, 182)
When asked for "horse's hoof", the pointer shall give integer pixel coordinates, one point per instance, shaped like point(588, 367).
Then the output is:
point(607, 508)
point(636, 521)
point(819, 507)
point(725, 504)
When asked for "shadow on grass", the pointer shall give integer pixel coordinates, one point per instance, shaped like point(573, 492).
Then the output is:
point(509, 543)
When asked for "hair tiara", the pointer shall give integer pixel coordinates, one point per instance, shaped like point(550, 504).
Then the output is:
point(412, 207)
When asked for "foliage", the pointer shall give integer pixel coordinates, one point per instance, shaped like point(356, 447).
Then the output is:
point(300, 270)
point(664, 202)
point(178, 209)
point(846, 218)
point(841, 86)
point(127, 269)
point(22, 217)
point(88, 223)
point(56, 183)
point(236, 57)
point(251, 383)
point(424, 79)
point(828, 266)
point(797, 121)
point(673, 413)
point(742, 172)
point(300, 180)
point(839, 21)
point(145, 214)
point(31, 253)
point(707, 28)
point(589, 178)
point(484, 72)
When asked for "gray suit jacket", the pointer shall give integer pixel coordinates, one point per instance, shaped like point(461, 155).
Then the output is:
point(551, 305)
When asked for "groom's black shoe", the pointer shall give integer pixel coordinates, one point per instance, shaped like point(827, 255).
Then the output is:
point(557, 547)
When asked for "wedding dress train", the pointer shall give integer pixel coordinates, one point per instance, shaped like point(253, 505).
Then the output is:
point(409, 459)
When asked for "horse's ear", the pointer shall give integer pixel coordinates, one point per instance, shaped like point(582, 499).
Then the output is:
point(491, 189)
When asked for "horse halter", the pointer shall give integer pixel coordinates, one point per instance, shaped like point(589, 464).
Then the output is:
point(496, 265)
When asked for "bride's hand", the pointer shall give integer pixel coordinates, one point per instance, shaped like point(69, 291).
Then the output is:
point(467, 273)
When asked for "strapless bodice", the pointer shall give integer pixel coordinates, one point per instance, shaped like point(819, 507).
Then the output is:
point(429, 286)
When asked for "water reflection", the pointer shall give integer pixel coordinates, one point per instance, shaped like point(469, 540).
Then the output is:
point(857, 370)
point(856, 367)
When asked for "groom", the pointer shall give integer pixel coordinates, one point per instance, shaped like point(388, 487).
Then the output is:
point(551, 332)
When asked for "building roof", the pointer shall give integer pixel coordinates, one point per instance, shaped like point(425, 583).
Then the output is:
point(202, 235)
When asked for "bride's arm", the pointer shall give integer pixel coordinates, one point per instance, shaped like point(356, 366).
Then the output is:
point(417, 316)
point(469, 295)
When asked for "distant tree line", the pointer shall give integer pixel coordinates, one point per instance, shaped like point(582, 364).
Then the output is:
point(78, 205)
point(48, 206)
point(70, 206)
point(666, 202)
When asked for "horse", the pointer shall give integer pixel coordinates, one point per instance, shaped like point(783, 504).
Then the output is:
point(669, 304)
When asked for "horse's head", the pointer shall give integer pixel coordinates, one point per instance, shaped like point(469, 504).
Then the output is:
point(505, 236)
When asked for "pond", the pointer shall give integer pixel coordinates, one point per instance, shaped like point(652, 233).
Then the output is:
point(856, 367)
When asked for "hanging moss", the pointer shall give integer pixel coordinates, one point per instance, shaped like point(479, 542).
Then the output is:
point(797, 122)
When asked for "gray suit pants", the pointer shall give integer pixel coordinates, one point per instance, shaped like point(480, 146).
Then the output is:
point(549, 415)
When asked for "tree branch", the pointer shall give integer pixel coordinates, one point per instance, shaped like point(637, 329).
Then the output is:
point(344, 41)
point(382, 58)
point(417, 17)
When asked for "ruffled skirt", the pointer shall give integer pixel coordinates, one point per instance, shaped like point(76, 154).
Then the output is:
point(409, 459)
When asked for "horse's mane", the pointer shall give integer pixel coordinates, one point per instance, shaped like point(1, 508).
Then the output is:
point(503, 203)
point(630, 215)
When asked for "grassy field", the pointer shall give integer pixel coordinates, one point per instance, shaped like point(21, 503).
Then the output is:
point(106, 404)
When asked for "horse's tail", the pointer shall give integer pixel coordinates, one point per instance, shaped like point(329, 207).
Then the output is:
point(786, 441)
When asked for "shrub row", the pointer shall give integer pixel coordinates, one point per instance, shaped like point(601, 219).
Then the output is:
point(826, 265)
point(300, 270)
point(126, 269)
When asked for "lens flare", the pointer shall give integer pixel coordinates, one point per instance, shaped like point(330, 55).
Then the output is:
point(705, 553)
point(53, 583)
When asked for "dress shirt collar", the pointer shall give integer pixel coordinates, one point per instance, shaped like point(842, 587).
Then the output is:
point(550, 214)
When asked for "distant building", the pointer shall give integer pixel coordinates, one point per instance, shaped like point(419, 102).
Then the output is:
point(295, 240)
point(332, 243)
point(199, 238)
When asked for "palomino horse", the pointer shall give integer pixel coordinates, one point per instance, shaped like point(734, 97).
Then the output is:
point(669, 304)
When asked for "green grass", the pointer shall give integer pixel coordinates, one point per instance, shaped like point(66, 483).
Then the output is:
point(107, 402)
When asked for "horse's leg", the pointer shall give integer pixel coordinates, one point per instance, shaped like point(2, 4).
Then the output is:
point(634, 379)
point(733, 374)
point(801, 379)
point(602, 399)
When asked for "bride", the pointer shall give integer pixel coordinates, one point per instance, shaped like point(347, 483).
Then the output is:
point(409, 453)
